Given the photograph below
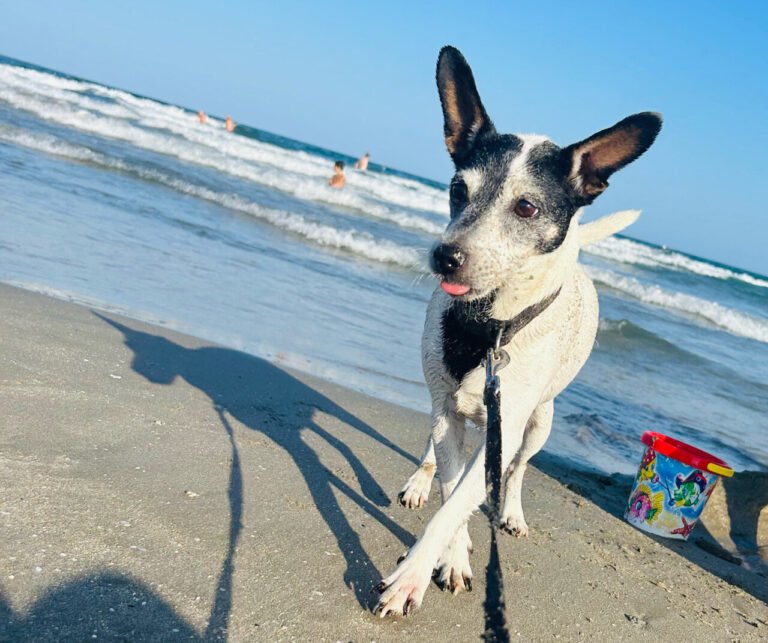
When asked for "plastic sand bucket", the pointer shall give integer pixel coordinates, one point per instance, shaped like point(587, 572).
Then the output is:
point(672, 486)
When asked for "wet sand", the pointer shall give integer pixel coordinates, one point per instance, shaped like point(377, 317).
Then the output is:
point(158, 487)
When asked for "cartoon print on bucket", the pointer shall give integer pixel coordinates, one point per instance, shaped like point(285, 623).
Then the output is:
point(648, 466)
point(644, 505)
point(672, 486)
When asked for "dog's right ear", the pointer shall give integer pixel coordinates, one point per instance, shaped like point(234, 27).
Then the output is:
point(464, 114)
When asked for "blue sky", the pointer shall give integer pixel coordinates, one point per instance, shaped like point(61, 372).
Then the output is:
point(360, 76)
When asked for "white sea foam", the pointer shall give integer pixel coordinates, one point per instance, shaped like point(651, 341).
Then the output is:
point(355, 241)
point(361, 243)
point(172, 131)
point(147, 124)
point(49, 144)
point(715, 314)
point(383, 250)
point(628, 251)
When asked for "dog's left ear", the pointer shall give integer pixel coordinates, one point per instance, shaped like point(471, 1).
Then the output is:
point(465, 119)
point(593, 160)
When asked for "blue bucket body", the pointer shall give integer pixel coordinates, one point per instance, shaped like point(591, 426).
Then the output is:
point(668, 496)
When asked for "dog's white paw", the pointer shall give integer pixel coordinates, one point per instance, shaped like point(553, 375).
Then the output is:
point(403, 591)
point(514, 524)
point(416, 491)
point(453, 573)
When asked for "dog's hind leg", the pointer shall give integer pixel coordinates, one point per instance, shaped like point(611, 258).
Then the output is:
point(416, 491)
point(453, 572)
point(536, 433)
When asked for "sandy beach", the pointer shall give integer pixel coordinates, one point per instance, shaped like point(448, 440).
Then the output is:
point(158, 487)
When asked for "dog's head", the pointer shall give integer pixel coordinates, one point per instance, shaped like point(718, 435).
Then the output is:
point(513, 197)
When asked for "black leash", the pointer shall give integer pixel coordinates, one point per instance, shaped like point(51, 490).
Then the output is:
point(497, 358)
point(495, 609)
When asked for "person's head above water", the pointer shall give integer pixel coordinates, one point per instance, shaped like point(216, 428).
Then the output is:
point(339, 165)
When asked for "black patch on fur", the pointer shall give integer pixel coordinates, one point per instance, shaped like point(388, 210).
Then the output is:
point(466, 335)
point(549, 188)
point(629, 139)
point(554, 195)
point(469, 331)
point(492, 156)
point(465, 118)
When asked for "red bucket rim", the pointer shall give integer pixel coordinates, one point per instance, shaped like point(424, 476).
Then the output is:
point(686, 453)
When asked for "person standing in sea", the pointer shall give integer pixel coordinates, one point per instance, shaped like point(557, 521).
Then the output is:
point(362, 162)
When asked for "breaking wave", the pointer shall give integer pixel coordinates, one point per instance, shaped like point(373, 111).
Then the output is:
point(358, 242)
point(173, 131)
point(627, 251)
point(715, 314)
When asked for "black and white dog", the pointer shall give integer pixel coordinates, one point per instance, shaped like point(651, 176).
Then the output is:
point(507, 261)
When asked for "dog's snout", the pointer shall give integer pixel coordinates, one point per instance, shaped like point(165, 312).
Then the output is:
point(447, 258)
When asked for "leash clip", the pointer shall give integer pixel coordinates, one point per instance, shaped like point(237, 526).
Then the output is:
point(496, 358)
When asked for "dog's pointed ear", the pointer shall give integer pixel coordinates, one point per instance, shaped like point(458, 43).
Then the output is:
point(464, 114)
point(594, 159)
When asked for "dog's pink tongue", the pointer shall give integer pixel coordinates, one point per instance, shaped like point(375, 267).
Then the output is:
point(454, 289)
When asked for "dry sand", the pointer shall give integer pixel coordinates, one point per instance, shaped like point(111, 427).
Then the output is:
point(156, 487)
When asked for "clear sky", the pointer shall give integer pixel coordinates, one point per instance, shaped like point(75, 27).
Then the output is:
point(359, 76)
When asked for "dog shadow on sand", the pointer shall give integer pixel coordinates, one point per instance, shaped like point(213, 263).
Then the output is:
point(263, 398)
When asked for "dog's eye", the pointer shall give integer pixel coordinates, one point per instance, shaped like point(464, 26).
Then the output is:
point(458, 193)
point(525, 209)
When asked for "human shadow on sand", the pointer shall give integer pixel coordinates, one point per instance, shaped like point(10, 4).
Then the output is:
point(102, 606)
point(263, 398)
point(267, 399)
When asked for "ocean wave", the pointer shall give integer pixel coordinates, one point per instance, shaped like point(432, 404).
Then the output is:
point(355, 241)
point(615, 332)
point(628, 251)
point(49, 144)
point(714, 314)
point(621, 336)
point(173, 131)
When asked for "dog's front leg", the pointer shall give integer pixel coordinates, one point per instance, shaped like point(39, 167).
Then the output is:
point(448, 438)
point(443, 452)
point(415, 492)
point(404, 590)
point(452, 570)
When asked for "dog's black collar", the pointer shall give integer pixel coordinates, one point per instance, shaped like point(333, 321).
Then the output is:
point(477, 322)
point(511, 327)
point(469, 331)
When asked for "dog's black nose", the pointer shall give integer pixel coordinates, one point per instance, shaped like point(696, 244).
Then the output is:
point(447, 258)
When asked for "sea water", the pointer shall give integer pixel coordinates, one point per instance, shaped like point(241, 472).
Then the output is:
point(131, 205)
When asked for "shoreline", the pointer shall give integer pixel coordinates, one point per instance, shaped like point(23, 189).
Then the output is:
point(157, 485)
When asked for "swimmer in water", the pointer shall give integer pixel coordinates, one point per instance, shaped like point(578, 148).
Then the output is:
point(338, 179)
